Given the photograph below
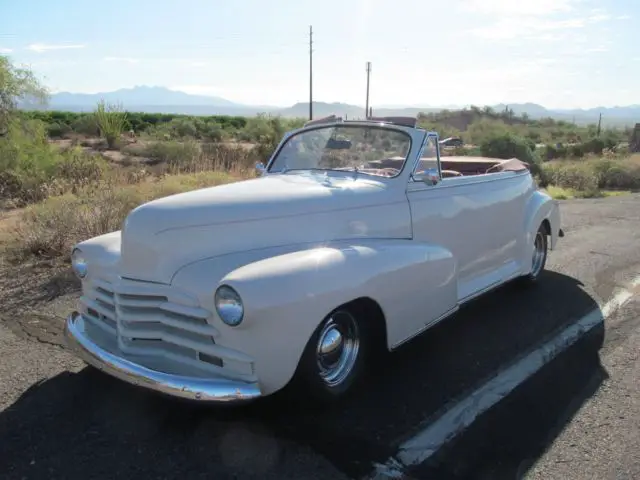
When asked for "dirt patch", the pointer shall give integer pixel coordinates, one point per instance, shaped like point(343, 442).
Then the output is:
point(243, 145)
point(116, 156)
point(35, 296)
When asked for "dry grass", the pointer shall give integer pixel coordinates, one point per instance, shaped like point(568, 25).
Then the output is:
point(560, 193)
point(592, 176)
point(51, 228)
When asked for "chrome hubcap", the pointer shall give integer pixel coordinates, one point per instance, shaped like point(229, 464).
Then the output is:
point(538, 254)
point(337, 348)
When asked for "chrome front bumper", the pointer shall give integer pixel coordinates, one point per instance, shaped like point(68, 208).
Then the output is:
point(192, 388)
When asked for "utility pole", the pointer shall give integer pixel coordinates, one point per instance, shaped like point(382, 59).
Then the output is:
point(366, 108)
point(310, 73)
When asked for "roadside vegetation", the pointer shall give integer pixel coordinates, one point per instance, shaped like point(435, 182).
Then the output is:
point(71, 176)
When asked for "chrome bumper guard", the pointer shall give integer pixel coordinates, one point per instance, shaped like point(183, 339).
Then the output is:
point(192, 388)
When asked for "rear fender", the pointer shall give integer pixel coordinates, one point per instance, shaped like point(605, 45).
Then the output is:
point(540, 207)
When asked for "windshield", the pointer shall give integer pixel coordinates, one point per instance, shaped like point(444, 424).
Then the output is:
point(368, 149)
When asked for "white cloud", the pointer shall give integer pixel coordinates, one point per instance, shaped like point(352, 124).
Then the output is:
point(600, 17)
point(623, 17)
point(539, 20)
point(194, 63)
point(507, 28)
point(121, 59)
point(520, 7)
point(52, 63)
point(6, 50)
point(43, 47)
point(600, 48)
point(533, 27)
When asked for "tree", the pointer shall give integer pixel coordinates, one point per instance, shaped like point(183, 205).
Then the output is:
point(17, 84)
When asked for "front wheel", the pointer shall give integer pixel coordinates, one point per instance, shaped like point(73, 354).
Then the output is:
point(334, 358)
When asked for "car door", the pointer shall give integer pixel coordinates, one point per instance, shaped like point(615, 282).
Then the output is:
point(459, 214)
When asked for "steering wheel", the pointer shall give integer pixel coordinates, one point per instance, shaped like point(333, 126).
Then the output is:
point(451, 173)
point(390, 171)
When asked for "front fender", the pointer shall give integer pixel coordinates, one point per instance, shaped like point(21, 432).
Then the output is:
point(286, 295)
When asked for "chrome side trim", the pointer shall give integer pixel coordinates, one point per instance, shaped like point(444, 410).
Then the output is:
point(217, 390)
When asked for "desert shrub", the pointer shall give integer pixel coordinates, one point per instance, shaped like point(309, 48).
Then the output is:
point(227, 158)
point(173, 153)
point(594, 145)
point(616, 174)
point(185, 128)
point(574, 175)
point(213, 132)
point(577, 150)
point(482, 130)
point(31, 169)
point(549, 152)
point(86, 125)
point(593, 174)
point(111, 121)
point(57, 130)
point(266, 132)
point(507, 145)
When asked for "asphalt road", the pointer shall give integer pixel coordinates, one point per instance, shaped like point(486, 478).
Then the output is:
point(578, 417)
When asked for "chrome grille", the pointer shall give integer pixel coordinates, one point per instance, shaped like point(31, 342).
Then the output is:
point(157, 320)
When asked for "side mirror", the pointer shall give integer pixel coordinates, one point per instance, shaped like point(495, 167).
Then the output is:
point(260, 168)
point(430, 179)
point(426, 177)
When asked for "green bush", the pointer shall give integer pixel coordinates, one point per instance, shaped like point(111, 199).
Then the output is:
point(577, 150)
point(31, 169)
point(506, 146)
point(85, 125)
point(58, 130)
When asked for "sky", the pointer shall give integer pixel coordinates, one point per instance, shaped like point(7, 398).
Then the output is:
point(558, 53)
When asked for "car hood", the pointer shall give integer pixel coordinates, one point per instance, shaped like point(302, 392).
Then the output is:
point(275, 210)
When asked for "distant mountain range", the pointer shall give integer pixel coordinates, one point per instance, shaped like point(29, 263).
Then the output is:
point(164, 100)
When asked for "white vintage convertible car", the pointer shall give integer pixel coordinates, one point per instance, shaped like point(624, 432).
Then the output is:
point(356, 236)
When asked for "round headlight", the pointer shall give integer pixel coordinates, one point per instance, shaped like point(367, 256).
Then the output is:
point(229, 305)
point(79, 264)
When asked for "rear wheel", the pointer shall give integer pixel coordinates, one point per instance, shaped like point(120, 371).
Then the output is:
point(538, 255)
point(335, 356)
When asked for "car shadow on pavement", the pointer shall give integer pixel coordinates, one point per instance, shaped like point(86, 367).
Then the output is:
point(89, 425)
point(509, 439)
